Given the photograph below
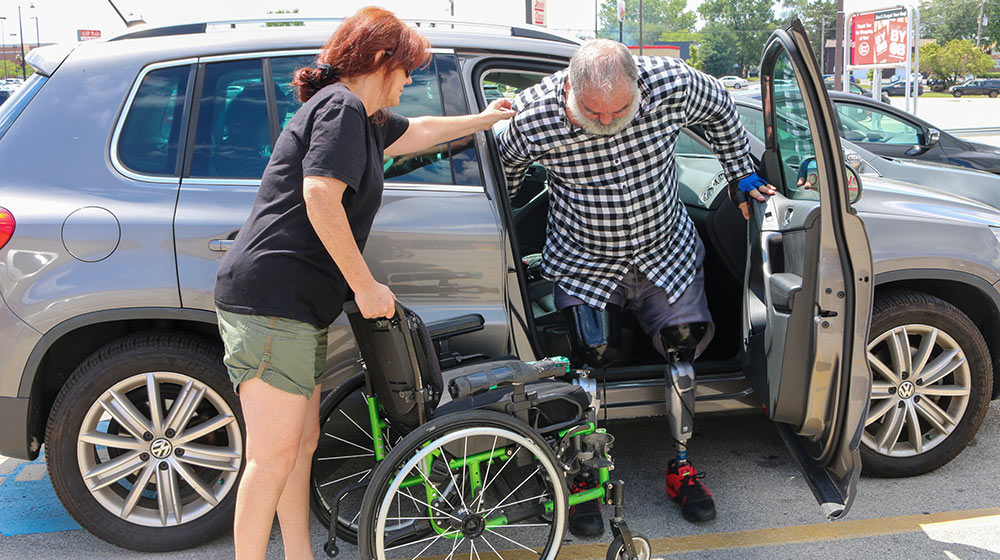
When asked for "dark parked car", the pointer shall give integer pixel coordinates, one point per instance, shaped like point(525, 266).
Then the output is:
point(898, 88)
point(982, 86)
point(858, 90)
point(891, 132)
point(108, 260)
point(4, 94)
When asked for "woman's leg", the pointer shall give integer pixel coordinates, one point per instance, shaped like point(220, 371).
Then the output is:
point(293, 505)
point(274, 422)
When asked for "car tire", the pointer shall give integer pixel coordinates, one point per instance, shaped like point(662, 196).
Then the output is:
point(994, 93)
point(96, 458)
point(957, 93)
point(924, 413)
point(737, 86)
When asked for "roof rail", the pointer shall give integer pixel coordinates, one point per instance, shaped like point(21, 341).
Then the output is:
point(528, 31)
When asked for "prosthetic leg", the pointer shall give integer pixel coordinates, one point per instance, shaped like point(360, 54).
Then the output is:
point(683, 481)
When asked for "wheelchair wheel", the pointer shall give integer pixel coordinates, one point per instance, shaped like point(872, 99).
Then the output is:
point(502, 476)
point(345, 455)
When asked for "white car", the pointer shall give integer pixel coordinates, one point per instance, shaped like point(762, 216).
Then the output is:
point(734, 82)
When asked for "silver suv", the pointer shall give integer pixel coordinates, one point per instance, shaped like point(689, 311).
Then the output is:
point(138, 159)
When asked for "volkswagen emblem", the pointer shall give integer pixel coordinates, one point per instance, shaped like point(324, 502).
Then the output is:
point(906, 390)
point(160, 448)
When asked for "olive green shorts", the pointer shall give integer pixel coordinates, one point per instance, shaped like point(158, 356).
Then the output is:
point(284, 353)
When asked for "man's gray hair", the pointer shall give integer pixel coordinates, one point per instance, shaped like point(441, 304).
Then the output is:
point(600, 66)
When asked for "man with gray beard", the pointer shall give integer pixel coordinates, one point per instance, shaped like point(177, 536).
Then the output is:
point(618, 236)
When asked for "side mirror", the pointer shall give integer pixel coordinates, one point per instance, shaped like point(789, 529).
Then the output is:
point(853, 184)
point(933, 136)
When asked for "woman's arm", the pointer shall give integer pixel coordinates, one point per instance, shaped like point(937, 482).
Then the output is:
point(324, 206)
point(425, 132)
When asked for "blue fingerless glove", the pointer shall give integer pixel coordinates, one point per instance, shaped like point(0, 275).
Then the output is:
point(751, 182)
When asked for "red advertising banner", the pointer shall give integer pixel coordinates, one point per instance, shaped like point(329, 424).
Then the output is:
point(88, 34)
point(879, 38)
point(538, 12)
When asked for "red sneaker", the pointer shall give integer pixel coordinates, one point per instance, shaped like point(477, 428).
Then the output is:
point(585, 520)
point(684, 486)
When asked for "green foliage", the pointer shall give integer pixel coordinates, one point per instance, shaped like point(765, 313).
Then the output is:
point(734, 35)
point(13, 70)
point(662, 20)
point(816, 15)
point(284, 23)
point(947, 20)
point(953, 61)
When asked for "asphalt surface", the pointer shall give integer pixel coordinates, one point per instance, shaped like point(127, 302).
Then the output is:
point(951, 513)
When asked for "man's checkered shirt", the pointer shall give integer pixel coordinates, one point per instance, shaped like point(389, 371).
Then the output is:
point(613, 199)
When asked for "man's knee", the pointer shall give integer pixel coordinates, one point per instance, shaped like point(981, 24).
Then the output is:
point(686, 340)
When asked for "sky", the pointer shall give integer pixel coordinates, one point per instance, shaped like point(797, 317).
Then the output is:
point(58, 20)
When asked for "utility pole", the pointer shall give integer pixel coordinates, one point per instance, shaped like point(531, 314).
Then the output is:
point(822, 43)
point(979, 22)
point(640, 27)
point(38, 39)
point(838, 59)
point(24, 73)
point(527, 12)
point(3, 47)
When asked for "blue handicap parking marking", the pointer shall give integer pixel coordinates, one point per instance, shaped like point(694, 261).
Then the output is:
point(28, 504)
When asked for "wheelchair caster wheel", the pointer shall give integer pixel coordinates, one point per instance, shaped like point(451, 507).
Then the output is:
point(643, 550)
point(331, 550)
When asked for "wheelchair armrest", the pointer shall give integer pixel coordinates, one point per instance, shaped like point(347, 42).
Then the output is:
point(447, 328)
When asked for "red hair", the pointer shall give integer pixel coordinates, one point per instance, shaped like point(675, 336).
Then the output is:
point(352, 49)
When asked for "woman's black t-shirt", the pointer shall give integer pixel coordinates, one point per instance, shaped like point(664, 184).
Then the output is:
point(277, 266)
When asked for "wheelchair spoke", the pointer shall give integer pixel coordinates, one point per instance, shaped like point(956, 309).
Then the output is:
point(362, 430)
point(342, 440)
point(490, 529)
point(479, 498)
point(487, 514)
point(499, 472)
point(343, 478)
point(483, 536)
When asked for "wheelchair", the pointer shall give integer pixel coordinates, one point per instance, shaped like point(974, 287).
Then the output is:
point(431, 452)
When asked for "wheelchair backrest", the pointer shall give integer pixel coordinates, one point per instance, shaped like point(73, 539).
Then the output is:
point(395, 351)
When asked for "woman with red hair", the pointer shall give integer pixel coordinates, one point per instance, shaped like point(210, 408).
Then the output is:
point(297, 258)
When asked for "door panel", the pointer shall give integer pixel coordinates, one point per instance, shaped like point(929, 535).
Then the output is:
point(809, 279)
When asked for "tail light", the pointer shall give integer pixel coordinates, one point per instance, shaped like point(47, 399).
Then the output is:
point(6, 226)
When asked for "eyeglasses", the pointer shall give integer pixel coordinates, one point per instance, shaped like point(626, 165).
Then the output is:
point(407, 71)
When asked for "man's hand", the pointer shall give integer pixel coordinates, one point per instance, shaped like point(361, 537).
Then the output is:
point(498, 110)
point(376, 301)
point(753, 185)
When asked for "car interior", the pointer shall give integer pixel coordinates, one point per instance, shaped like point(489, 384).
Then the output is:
point(719, 223)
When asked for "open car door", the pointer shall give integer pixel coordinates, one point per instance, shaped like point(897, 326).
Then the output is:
point(809, 278)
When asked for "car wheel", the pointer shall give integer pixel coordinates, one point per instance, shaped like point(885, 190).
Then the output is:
point(932, 381)
point(994, 93)
point(957, 93)
point(145, 443)
point(737, 86)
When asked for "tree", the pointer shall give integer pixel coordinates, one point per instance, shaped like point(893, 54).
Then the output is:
point(947, 20)
point(735, 32)
point(284, 23)
point(718, 53)
point(954, 61)
point(819, 17)
point(662, 20)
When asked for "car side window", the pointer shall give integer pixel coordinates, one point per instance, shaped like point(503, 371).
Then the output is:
point(859, 123)
point(233, 137)
point(753, 121)
point(795, 147)
point(433, 165)
point(150, 136)
point(282, 73)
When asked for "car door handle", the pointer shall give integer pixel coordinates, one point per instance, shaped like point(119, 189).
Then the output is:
point(767, 238)
point(220, 245)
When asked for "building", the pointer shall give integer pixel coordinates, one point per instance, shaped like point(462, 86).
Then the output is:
point(657, 50)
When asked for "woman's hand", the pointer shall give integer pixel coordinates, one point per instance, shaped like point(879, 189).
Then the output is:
point(498, 110)
point(376, 301)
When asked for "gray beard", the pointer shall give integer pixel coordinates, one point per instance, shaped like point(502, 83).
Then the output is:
point(592, 126)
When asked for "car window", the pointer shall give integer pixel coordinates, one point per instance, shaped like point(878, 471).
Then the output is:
point(863, 124)
point(753, 121)
point(794, 137)
point(282, 73)
point(233, 137)
point(150, 136)
point(509, 83)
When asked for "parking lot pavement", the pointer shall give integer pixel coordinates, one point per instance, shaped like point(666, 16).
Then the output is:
point(765, 509)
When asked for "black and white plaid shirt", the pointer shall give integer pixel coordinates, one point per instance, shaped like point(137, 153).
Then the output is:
point(613, 199)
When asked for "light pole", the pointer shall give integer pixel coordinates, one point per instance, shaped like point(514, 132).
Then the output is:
point(38, 38)
point(3, 46)
point(20, 36)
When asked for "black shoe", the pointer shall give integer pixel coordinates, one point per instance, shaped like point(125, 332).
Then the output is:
point(585, 520)
point(684, 486)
